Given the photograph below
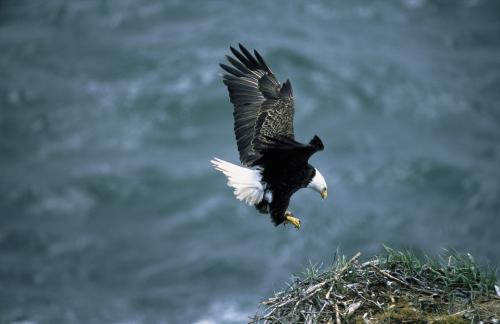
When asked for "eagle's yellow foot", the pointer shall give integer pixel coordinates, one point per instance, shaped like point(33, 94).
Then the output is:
point(292, 220)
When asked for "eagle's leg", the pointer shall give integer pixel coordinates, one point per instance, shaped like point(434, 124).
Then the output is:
point(289, 218)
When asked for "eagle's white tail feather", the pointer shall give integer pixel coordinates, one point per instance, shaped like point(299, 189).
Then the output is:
point(246, 182)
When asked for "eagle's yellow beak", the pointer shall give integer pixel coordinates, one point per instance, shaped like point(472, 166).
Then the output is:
point(324, 193)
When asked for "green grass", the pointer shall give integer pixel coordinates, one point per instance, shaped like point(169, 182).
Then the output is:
point(455, 273)
point(395, 287)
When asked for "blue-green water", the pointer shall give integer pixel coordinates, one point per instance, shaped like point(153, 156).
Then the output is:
point(111, 111)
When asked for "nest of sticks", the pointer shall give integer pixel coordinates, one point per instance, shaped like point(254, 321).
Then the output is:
point(395, 288)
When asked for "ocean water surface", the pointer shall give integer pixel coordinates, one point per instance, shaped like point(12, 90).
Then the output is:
point(110, 112)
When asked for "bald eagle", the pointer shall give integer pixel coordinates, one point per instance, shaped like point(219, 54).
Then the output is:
point(275, 166)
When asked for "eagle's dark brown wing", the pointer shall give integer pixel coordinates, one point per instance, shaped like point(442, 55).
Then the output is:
point(263, 108)
point(278, 149)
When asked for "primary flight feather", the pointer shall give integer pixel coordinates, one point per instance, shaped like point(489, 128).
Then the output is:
point(275, 166)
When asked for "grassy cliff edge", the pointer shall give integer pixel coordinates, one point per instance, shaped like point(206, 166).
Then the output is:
point(397, 287)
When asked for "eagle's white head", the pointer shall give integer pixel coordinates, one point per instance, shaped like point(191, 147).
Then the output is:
point(318, 183)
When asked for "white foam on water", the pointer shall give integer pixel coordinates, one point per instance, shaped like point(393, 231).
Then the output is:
point(224, 313)
point(69, 202)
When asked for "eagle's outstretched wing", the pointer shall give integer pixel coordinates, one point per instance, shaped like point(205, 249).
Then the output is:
point(263, 108)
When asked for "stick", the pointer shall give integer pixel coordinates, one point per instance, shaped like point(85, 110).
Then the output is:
point(337, 314)
point(404, 283)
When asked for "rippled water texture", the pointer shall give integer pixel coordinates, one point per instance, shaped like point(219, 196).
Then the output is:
point(111, 111)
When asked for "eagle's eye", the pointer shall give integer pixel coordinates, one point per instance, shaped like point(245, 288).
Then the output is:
point(324, 193)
